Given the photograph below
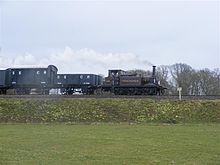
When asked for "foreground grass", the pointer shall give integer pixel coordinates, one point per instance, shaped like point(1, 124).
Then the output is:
point(109, 144)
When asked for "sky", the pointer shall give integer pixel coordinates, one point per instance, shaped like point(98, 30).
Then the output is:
point(94, 36)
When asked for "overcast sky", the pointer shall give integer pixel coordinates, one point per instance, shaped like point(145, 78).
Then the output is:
point(94, 36)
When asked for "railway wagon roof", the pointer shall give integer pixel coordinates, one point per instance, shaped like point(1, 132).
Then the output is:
point(32, 67)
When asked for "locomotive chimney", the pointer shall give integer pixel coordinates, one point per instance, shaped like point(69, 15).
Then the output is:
point(154, 71)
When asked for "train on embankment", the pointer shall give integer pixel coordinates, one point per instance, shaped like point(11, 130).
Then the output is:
point(46, 80)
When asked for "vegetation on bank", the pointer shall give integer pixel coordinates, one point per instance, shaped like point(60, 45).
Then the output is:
point(108, 110)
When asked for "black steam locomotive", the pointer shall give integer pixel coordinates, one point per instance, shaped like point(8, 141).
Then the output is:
point(46, 81)
point(121, 82)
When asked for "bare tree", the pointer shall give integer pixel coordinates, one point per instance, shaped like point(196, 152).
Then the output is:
point(182, 77)
point(217, 77)
point(209, 82)
point(163, 77)
point(195, 88)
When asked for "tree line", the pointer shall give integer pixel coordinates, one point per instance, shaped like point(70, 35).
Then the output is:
point(192, 81)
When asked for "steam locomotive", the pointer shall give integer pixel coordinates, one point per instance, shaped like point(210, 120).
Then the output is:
point(45, 80)
point(121, 82)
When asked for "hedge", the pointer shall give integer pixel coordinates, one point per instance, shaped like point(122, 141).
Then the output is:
point(107, 110)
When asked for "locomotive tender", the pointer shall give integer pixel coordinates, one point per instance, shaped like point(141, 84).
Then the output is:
point(43, 80)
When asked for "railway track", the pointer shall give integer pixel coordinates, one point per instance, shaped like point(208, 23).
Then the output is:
point(164, 97)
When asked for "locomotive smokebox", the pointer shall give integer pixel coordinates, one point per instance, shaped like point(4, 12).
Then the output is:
point(154, 71)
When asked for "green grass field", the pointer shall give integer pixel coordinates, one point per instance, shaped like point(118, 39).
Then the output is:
point(101, 144)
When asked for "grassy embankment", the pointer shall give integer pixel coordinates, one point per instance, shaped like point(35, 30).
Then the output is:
point(108, 110)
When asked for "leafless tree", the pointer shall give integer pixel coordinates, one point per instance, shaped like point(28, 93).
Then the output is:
point(182, 77)
point(209, 82)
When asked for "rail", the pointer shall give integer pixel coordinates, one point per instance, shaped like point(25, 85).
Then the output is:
point(164, 97)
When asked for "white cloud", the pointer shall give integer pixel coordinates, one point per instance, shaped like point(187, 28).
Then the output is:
point(80, 61)
point(27, 59)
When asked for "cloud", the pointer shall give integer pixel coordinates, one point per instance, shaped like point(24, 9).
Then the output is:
point(22, 60)
point(27, 59)
point(79, 61)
